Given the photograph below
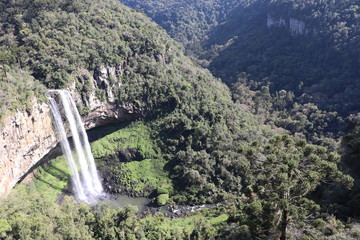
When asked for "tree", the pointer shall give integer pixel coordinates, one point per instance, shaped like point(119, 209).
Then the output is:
point(291, 170)
point(4, 228)
point(5, 59)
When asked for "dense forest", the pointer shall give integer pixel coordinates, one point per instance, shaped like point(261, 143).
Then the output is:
point(188, 22)
point(308, 49)
point(314, 54)
point(264, 151)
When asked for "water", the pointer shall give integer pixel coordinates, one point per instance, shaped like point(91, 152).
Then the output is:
point(120, 201)
point(86, 182)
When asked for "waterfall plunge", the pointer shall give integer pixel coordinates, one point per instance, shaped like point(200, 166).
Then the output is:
point(86, 182)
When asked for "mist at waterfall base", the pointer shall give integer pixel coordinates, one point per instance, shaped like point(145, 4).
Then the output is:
point(85, 179)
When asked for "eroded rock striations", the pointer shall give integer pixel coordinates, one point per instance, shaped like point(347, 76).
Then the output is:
point(25, 138)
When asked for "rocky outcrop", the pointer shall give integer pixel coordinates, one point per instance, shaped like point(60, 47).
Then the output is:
point(106, 79)
point(273, 22)
point(27, 136)
point(294, 26)
point(297, 27)
point(111, 113)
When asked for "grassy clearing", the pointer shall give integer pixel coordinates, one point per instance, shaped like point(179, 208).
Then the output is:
point(52, 179)
point(186, 224)
point(136, 135)
point(116, 154)
point(144, 174)
point(49, 180)
point(219, 219)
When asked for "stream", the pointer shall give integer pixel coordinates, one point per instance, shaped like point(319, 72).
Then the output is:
point(145, 206)
point(120, 201)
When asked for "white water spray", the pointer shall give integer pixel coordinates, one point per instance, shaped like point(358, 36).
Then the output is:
point(87, 184)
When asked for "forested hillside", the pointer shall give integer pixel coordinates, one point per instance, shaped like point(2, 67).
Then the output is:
point(305, 51)
point(194, 143)
point(188, 22)
point(313, 52)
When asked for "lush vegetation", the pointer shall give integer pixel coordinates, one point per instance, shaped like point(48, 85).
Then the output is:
point(30, 214)
point(284, 110)
point(194, 145)
point(191, 111)
point(318, 66)
point(43, 209)
point(125, 155)
point(17, 89)
point(188, 22)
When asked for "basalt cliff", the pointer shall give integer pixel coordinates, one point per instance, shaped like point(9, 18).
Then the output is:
point(25, 138)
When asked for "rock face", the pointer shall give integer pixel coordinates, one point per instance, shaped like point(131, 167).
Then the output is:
point(295, 26)
point(273, 22)
point(106, 78)
point(111, 113)
point(27, 136)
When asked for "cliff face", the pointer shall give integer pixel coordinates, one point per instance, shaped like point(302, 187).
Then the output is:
point(108, 113)
point(295, 26)
point(27, 136)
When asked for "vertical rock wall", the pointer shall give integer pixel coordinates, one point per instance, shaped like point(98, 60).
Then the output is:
point(295, 26)
point(25, 138)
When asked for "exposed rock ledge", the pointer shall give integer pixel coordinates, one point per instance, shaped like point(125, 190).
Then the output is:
point(111, 113)
point(295, 26)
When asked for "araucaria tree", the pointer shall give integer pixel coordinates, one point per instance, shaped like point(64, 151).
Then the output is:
point(284, 175)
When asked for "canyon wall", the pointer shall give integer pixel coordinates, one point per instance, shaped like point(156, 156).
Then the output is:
point(25, 137)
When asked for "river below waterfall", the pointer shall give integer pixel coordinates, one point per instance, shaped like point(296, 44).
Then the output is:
point(120, 201)
point(145, 207)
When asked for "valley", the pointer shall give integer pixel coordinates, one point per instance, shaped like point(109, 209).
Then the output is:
point(244, 110)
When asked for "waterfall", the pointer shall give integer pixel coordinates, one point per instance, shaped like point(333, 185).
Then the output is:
point(86, 182)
